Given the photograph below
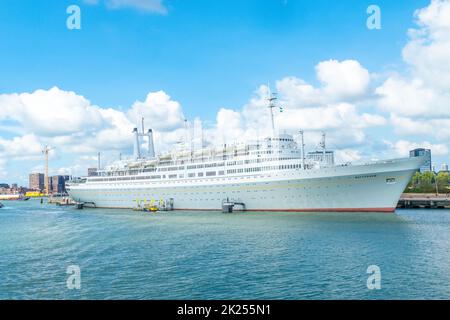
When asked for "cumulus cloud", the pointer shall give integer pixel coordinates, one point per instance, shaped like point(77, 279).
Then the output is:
point(345, 122)
point(70, 124)
point(50, 112)
point(22, 147)
point(421, 97)
point(428, 48)
point(402, 147)
point(343, 80)
point(340, 81)
point(163, 113)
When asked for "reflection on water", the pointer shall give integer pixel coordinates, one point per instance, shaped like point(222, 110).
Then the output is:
point(210, 255)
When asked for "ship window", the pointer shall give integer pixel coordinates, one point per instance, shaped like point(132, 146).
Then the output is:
point(390, 181)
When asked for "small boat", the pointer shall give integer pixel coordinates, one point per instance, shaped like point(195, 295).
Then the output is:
point(150, 209)
point(1, 205)
point(147, 208)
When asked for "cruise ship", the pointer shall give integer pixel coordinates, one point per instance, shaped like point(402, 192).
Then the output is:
point(273, 174)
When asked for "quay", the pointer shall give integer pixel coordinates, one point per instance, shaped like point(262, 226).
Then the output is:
point(424, 200)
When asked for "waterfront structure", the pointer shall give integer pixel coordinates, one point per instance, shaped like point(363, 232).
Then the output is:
point(426, 154)
point(272, 175)
point(36, 181)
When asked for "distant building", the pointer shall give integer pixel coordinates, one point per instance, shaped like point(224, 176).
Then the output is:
point(420, 152)
point(444, 167)
point(14, 186)
point(92, 172)
point(4, 185)
point(58, 184)
point(319, 157)
point(36, 181)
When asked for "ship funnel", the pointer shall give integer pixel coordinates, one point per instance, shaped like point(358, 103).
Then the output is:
point(136, 151)
point(151, 146)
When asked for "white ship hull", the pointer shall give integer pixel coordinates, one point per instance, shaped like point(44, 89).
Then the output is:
point(372, 187)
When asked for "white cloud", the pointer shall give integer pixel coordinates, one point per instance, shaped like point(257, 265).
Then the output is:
point(428, 48)
point(22, 147)
point(343, 120)
point(159, 110)
point(50, 112)
point(411, 98)
point(419, 100)
point(72, 126)
point(230, 125)
point(343, 80)
point(402, 147)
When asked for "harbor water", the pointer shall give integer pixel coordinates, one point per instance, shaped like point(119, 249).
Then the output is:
point(123, 254)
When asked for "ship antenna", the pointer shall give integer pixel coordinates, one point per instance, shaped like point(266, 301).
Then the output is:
point(271, 104)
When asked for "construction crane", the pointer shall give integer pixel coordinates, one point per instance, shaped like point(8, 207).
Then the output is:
point(46, 152)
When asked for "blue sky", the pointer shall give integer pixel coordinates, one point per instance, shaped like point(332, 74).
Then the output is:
point(205, 54)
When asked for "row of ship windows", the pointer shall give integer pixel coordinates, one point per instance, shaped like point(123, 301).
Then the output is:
point(220, 164)
point(116, 193)
point(220, 199)
point(203, 174)
point(198, 166)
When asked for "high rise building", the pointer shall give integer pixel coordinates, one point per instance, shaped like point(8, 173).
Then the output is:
point(36, 181)
point(421, 152)
point(57, 184)
point(444, 167)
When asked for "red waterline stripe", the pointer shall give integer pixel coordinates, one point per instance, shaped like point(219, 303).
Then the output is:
point(281, 210)
point(306, 210)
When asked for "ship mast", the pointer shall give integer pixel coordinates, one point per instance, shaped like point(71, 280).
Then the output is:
point(271, 104)
point(271, 100)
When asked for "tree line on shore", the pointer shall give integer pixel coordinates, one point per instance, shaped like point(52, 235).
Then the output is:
point(429, 182)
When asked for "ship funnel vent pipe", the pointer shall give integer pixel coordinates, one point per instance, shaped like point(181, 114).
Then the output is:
point(136, 151)
point(151, 146)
